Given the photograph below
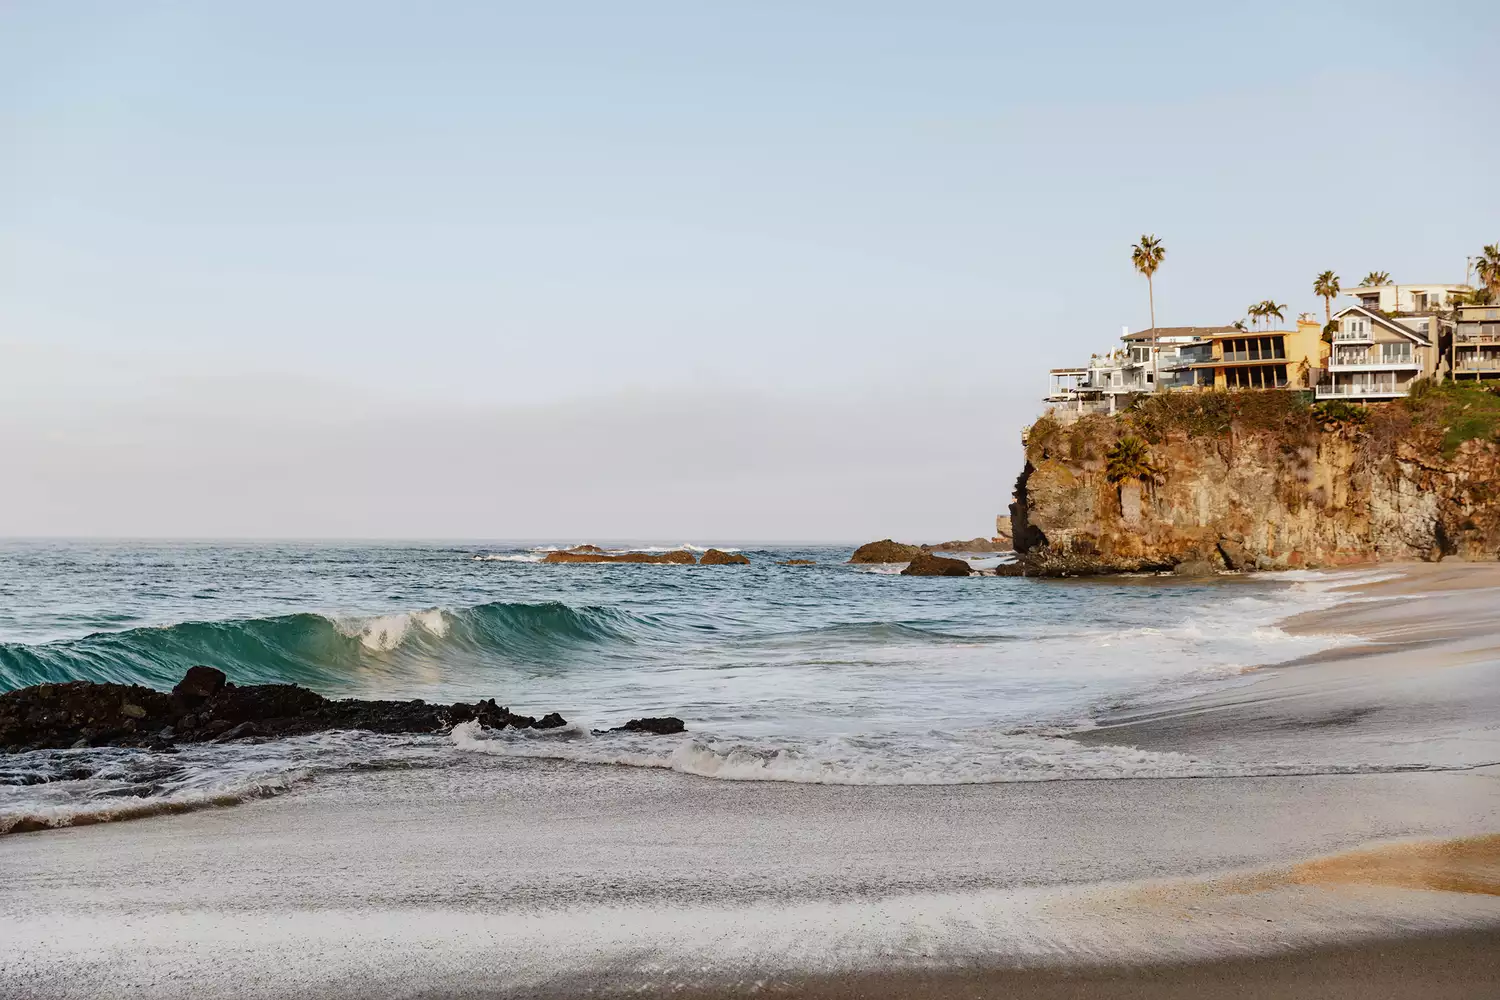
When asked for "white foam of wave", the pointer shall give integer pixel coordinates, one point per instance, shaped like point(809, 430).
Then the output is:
point(383, 633)
point(996, 758)
point(513, 557)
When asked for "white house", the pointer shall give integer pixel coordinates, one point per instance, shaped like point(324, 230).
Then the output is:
point(1376, 356)
point(1397, 298)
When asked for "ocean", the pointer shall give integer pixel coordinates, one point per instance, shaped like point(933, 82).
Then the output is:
point(823, 674)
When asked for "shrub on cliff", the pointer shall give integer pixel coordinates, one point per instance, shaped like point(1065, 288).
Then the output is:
point(1337, 414)
point(1461, 412)
point(1216, 413)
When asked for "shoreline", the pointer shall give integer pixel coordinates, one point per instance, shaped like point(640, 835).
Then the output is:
point(541, 878)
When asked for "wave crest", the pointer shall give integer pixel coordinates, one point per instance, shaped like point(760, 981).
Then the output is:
point(325, 653)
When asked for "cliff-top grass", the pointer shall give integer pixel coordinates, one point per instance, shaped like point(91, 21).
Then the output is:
point(1462, 412)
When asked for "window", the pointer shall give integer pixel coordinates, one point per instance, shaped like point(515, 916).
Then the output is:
point(1256, 377)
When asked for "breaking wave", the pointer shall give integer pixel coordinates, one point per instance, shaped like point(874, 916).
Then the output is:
point(328, 654)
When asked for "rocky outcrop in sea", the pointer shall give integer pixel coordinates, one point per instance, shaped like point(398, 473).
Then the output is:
point(204, 706)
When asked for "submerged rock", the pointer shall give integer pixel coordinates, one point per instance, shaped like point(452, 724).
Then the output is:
point(797, 562)
point(662, 726)
point(85, 713)
point(591, 554)
point(715, 557)
point(885, 551)
point(927, 564)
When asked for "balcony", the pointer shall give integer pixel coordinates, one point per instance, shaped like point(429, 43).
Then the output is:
point(1362, 390)
point(1370, 361)
point(1478, 363)
point(1345, 337)
point(1478, 333)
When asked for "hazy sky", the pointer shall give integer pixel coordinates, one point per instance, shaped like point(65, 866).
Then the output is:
point(679, 271)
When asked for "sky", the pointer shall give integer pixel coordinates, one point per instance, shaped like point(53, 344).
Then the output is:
point(669, 271)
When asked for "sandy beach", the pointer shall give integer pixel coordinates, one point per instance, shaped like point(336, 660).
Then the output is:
point(550, 879)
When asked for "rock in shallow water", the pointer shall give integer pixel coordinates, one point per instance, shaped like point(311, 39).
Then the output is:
point(715, 557)
point(927, 564)
point(57, 716)
point(661, 726)
point(885, 551)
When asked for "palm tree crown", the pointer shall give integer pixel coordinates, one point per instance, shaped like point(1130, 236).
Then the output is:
point(1273, 308)
point(1129, 459)
point(1375, 278)
point(1327, 286)
point(1488, 268)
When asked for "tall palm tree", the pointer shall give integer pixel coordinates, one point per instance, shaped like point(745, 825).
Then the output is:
point(1274, 309)
point(1327, 285)
point(1487, 267)
point(1147, 256)
point(1375, 278)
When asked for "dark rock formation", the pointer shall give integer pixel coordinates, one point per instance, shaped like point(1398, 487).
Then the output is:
point(204, 706)
point(927, 564)
point(663, 726)
point(715, 557)
point(972, 545)
point(885, 551)
point(590, 554)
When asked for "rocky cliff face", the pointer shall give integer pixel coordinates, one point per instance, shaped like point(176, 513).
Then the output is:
point(1261, 480)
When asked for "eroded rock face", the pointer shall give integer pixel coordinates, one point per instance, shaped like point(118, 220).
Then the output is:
point(83, 713)
point(1243, 499)
point(714, 557)
point(927, 564)
point(885, 551)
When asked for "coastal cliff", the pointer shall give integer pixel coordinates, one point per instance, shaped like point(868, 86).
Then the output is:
point(1261, 480)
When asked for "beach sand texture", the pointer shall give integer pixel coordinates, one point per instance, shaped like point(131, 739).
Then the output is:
point(558, 880)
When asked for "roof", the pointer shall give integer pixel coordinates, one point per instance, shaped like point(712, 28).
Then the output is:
point(1158, 332)
point(1380, 320)
point(1068, 371)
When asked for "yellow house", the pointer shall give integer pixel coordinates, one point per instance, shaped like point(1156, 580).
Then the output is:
point(1268, 359)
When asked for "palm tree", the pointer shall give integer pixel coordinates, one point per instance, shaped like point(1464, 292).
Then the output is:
point(1375, 278)
point(1238, 324)
point(1256, 312)
point(1129, 459)
point(1487, 268)
point(1147, 256)
point(1327, 285)
point(1274, 309)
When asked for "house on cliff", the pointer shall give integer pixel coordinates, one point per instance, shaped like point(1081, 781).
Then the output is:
point(1160, 358)
point(1377, 356)
point(1410, 299)
point(1268, 359)
point(1475, 351)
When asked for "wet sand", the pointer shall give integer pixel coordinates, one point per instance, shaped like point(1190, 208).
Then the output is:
point(539, 879)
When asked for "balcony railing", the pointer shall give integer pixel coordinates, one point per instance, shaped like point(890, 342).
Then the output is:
point(1357, 389)
point(1249, 356)
point(1372, 359)
point(1483, 363)
point(1487, 333)
point(1344, 336)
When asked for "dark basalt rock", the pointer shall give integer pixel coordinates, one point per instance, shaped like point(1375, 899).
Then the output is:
point(927, 564)
point(204, 707)
point(716, 557)
point(663, 726)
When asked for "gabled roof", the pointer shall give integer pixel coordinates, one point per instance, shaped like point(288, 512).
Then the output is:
point(1389, 324)
point(1158, 332)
